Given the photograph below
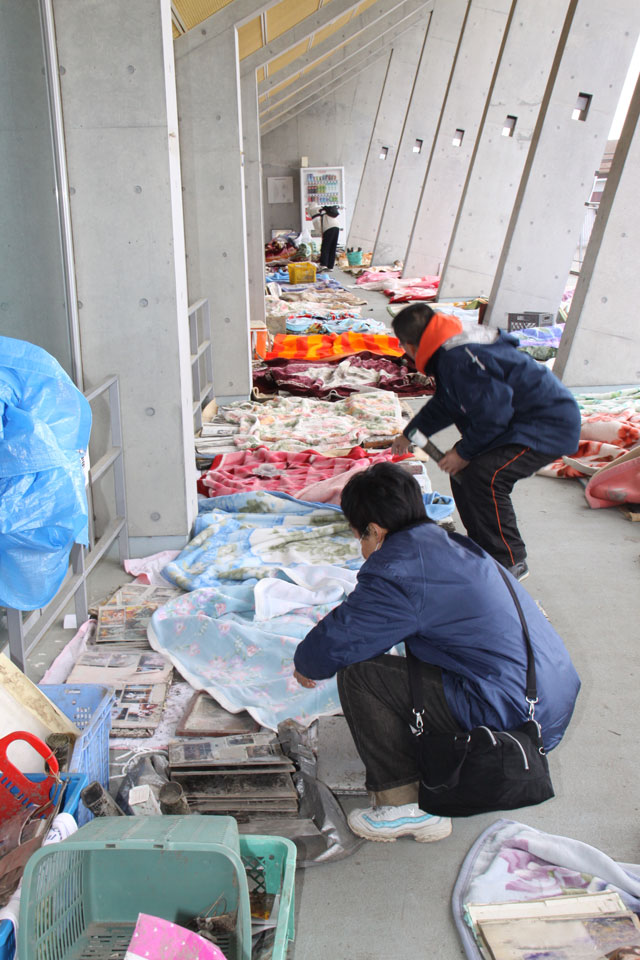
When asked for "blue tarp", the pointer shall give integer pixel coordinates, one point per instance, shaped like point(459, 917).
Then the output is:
point(45, 423)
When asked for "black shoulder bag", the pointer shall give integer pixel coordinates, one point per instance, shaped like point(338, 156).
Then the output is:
point(482, 770)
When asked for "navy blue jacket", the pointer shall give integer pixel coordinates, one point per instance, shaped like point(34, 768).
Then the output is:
point(497, 395)
point(444, 596)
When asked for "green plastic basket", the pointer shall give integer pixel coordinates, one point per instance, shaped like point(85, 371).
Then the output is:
point(81, 898)
point(354, 257)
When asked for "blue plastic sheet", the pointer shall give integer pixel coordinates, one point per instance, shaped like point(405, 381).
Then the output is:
point(45, 423)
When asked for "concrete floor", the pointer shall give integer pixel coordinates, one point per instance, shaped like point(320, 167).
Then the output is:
point(391, 900)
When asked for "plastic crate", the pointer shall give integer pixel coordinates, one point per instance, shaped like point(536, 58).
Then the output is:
point(270, 865)
point(303, 272)
point(76, 784)
point(7, 940)
point(88, 705)
point(520, 321)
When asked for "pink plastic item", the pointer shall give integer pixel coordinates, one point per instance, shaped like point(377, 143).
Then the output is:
point(158, 939)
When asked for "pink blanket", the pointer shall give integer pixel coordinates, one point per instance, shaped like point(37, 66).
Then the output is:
point(608, 452)
point(306, 475)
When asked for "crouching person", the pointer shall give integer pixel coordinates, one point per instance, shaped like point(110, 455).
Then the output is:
point(445, 598)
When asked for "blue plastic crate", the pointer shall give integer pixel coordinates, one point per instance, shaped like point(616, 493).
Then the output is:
point(7, 940)
point(76, 782)
point(88, 705)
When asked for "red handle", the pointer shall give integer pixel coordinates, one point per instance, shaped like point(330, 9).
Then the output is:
point(39, 746)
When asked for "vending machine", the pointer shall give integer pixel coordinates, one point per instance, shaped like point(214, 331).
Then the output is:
point(324, 186)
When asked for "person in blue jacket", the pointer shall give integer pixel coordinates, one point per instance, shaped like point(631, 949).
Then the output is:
point(443, 596)
point(513, 414)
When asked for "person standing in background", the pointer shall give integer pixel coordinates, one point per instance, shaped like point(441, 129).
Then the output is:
point(330, 229)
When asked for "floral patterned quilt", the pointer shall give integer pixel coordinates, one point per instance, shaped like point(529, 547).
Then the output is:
point(247, 536)
point(262, 570)
point(298, 423)
point(610, 428)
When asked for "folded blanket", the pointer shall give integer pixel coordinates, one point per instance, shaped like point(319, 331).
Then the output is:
point(304, 324)
point(298, 423)
point(306, 475)
point(414, 288)
point(339, 378)
point(319, 347)
point(610, 430)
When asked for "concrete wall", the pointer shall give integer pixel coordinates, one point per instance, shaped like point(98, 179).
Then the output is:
point(386, 136)
point(549, 210)
point(498, 161)
point(121, 132)
point(32, 294)
point(332, 132)
point(601, 342)
point(421, 123)
point(464, 108)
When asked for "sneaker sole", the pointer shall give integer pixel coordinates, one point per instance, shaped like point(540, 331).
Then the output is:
point(441, 834)
point(523, 576)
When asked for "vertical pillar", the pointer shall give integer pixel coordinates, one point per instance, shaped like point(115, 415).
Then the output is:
point(502, 147)
point(208, 81)
point(253, 194)
point(121, 134)
point(601, 341)
point(567, 147)
point(420, 129)
point(385, 138)
point(461, 118)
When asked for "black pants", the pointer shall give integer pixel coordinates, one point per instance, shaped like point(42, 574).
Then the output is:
point(482, 492)
point(376, 702)
point(328, 248)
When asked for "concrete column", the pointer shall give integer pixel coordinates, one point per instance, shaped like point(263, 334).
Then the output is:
point(253, 195)
point(208, 83)
point(463, 111)
point(385, 138)
point(601, 341)
point(498, 161)
point(421, 125)
point(549, 208)
point(121, 132)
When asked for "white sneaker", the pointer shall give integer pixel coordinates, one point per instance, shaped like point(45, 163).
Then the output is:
point(389, 823)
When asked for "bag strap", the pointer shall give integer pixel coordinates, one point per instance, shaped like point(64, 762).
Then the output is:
point(531, 692)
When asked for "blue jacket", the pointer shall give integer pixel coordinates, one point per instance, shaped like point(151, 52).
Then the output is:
point(445, 597)
point(495, 394)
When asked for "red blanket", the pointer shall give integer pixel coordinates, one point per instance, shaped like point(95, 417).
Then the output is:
point(307, 475)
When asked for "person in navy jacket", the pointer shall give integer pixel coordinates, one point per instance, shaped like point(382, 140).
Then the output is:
point(513, 414)
point(443, 596)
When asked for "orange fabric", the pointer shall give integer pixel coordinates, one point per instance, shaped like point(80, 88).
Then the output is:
point(440, 328)
point(320, 347)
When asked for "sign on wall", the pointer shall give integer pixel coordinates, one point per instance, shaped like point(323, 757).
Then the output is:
point(280, 189)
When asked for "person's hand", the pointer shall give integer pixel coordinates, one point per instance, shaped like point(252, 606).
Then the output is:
point(401, 444)
point(452, 462)
point(304, 681)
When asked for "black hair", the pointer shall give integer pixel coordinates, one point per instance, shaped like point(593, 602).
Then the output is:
point(384, 494)
point(331, 211)
point(410, 323)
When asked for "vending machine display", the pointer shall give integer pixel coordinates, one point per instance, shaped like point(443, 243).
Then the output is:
point(325, 187)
